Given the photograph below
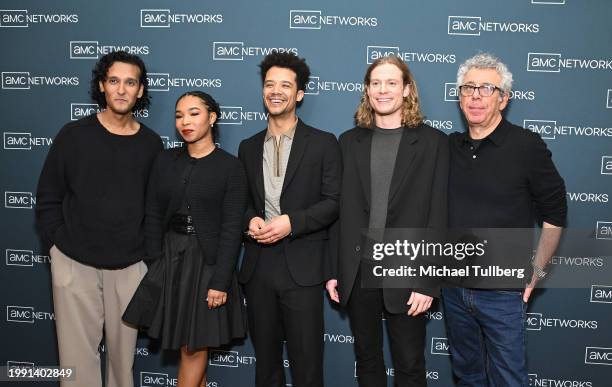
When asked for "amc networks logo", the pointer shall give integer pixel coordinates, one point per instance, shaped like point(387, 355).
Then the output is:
point(24, 141)
point(22, 200)
point(12, 364)
point(231, 359)
point(26, 314)
point(315, 20)
point(170, 143)
point(463, 25)
point(598, 355)
point(156, 379)
point(80, 110)
point(545, 128)
point(92, 49)
point(451, 92)
point(533, 321)
point(375, 52)
point(606, 165)
point(160, 379)
point(237, 115)
point(165, 18)
point(601, 294)
point(24, 80)
point(21, 18)
point(440, 346)
point(305, 19)
point(544, 62)
point(238, 50)
point(24, 258)
point(604, 230)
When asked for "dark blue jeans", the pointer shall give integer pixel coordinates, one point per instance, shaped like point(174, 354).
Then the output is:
point(486, 332)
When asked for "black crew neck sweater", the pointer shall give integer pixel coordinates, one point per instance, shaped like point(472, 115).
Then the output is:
point(91, 193)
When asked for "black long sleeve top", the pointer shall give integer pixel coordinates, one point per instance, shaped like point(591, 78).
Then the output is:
point(215, 190)
point(91, 193)
point(508, 181)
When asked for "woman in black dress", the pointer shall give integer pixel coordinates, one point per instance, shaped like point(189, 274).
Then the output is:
point(196, 199)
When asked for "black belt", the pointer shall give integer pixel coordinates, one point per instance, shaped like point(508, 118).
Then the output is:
point(182, 224)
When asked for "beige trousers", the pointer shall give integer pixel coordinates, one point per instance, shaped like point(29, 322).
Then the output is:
point(88, 301)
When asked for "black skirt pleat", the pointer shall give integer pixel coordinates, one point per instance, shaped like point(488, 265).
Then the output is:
point(171, 300)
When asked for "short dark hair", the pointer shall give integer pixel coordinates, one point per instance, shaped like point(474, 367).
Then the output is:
point(211, 106)
point(287, 60)
point(100, 71)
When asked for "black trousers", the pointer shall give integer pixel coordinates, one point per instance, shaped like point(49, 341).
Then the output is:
point(406, 336)
point(278, 310)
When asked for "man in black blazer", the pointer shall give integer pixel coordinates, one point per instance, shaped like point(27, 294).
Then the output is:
point(294, 174)
point(395, 176)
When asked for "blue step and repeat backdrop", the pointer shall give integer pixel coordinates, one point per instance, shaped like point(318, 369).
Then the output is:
point(559, 52)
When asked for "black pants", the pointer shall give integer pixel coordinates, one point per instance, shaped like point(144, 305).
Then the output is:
point(406, 335)
point(278, 310)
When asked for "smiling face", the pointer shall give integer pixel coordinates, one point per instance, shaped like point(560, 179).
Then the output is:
point(193, 120)
point(483, 113)
point(386, 92)
point(280, 92)
point(121, 87)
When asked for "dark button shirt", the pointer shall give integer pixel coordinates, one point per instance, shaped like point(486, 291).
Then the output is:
point(508, 181)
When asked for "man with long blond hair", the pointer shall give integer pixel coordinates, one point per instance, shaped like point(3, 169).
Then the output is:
point(395, 176)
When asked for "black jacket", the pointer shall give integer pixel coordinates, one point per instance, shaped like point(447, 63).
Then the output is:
point(217, 195)
point(417, 199)
point(310, 194)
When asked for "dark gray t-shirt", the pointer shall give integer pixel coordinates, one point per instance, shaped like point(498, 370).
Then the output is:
point(385, 143)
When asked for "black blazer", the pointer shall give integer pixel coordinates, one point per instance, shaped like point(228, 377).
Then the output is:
point(217, 196)
point(417, 199)
point(310, 195)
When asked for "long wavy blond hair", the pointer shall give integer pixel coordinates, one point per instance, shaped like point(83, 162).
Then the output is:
point(411, 109)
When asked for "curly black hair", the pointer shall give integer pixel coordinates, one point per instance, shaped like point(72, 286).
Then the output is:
point(287, 60)
point(211, 106)
point(100, 71)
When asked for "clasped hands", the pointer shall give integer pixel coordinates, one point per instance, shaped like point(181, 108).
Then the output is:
point(273, 231)
point(215, 298)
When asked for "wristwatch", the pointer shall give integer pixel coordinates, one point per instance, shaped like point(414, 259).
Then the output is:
point(538, 271)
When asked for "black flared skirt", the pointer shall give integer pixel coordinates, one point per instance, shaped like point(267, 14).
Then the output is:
point(170, 302)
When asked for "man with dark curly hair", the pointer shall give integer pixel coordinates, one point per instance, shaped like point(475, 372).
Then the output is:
point(90, 211)
point(294, 184)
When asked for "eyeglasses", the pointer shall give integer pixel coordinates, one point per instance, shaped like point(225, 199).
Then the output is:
point(485, 90)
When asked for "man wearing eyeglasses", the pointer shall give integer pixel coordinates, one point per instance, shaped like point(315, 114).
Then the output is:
point(501, 176)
